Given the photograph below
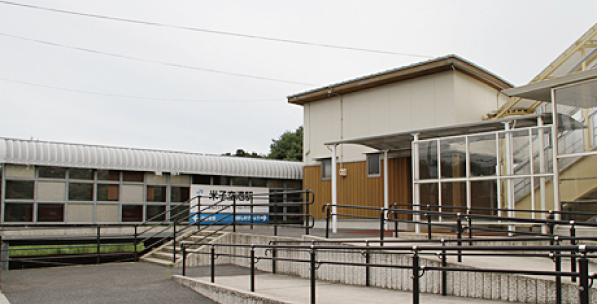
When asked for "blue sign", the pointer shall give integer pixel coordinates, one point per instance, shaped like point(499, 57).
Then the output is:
point(226, 218)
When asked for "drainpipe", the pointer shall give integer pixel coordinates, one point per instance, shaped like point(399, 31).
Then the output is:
point(386, 196)
point(556, 169)
point(334, 191)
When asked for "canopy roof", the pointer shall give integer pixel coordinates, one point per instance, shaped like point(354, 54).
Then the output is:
point(402, 140)
point(43, 153)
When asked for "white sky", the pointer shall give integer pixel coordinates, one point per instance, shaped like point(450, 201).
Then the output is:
point(200, 111)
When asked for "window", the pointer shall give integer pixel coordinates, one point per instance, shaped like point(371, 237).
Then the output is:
point(108, 175)
point(50, 212)
point(156, 213)
point(240, 181)
point(19, 189)
point(179, 194)
point(326, 168)
point(107, 192)
point(52, 172)
point(85, 174)
point(373, 165)
point(156, 193)
point(201, 179)
point(258, 182)
point(18, 212)
point(132, 176)
point(80, 192)
point(132, 213)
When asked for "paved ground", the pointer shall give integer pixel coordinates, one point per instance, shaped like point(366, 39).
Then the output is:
point(129, 283)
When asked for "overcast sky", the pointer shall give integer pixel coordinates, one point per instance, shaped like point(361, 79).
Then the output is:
point(66, 77)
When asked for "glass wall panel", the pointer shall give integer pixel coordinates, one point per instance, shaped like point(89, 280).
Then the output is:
point(132, 213)
point(453, 157)
point(133, 176)
point(483, 155)
point(428, 160)
point(19, 189)
point(520, 149)
point(454, 195)
point(50, 212)
point(201, 179)
point(156, 193)
point(80, 192)
point(429, 195)
point(84, 174)
point(155, 210)
point(52, 172)
point(107, 192)
point(108, 175)
point(258, 182)
point(18, 212)
point(179, 194)
point(179, 212)
point(484, 195)
point(541, 150)
point(241, 181)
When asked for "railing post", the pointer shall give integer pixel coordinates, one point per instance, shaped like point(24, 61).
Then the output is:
point(327, 222)
point(459, 235)
point(306, 213)
point(428, 226)
point(98, 239)
point(212, 264)
point(573, 252)
point(469, 223)
point(252, 257)
point(558, 263)
point(312, 252)
point(198, 213)
point(367, 261)
point(252, 212)
point(415, 276)
point(381, 226)
point(184, 260)
point(135, 243)
point(444, 272)
point(234, 213)
point(174, 243)
point(396, 224)
point(583, 264)
point(274, 255)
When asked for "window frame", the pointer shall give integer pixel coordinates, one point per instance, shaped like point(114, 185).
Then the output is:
point(368, 164)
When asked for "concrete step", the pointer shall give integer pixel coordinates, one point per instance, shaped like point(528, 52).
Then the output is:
point(156, 261)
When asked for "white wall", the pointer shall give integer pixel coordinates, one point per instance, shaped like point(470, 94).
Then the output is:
point(436, 100)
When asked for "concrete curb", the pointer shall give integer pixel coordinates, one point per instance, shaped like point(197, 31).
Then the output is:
point(225, 295)
point(3, 299)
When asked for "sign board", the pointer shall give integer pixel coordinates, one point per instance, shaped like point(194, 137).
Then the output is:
point(212, 194)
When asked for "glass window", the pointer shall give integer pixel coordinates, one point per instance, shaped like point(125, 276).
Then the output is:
point(18, 212)
point(201, 179)
point(52, 172)
point(258, 182)
point(107, 192)
point(108, 175)
point(428, 160)
point(241, 181)
point(373, 165)
point(156, 193)
point(326, 168)
point(132, 213)
point(156, 213)
point(132, 176)
point(19, 189)
point(80, 192)
point(50, 212)
point(179, 194)
point(85, 174)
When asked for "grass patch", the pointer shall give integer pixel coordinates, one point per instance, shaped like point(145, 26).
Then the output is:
point(39, 250)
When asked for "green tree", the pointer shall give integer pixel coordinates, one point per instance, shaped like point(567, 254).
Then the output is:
point(243, 153)
point(288, 147)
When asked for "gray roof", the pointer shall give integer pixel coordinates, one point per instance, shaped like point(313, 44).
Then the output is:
point(45, 153)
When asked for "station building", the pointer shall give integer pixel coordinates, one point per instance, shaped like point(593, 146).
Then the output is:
point(63, 183)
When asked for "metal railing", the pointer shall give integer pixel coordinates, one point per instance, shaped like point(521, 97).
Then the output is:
point(554, 252)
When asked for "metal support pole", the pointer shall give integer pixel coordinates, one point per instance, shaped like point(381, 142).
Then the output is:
point(135, 243)
point(367, 261)
point(469, 222)
point(312, 252)
point(583, 264)
point(573, 252)
point(307, 213)
point(275, 218)
point(428, 225)
point(334, 191)
point(198, 213)
point(459, 234)
point(252, 268)
point(252, 212)
point(274, 255)
point(396, 224)
point(184, 260)
point(444, 272)
point(415, 276)
point(558, 264)
point(98, 244)
point(212, 264)
point(327, 222)
point(234, 213)
point(174, 243)
point(381, 227)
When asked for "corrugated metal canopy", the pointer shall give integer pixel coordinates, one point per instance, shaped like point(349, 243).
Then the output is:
point(402, 140)
point(43, 153)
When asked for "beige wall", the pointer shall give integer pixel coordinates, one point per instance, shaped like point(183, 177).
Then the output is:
point(51, 191)
point(19, 171)
point(437, 100)
point(106, 213)
point(131, 193)
point(80, 213)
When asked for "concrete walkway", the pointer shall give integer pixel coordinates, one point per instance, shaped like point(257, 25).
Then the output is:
point(287, 289)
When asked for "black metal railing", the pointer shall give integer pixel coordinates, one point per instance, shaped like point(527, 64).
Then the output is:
point(554, 252)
